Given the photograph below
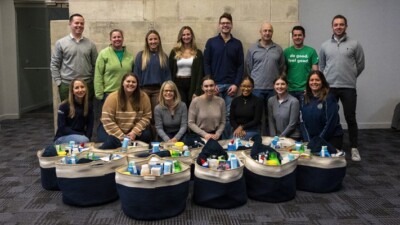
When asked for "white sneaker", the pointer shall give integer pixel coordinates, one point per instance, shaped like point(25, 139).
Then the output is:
point(338, 153)
point(355, 155)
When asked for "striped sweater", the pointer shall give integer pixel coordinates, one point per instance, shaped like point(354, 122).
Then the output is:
point(118, 123)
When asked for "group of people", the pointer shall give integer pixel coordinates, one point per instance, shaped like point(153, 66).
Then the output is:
point(218, 94)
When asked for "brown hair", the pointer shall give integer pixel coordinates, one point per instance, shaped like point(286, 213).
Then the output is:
point(323, 93)
point(134, 98)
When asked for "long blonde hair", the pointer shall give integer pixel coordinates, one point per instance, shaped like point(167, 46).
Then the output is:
point(179, 47)
point(146, 52)
point(71, 99)
point(177, 96)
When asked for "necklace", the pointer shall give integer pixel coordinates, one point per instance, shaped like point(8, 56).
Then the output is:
point(244, 100)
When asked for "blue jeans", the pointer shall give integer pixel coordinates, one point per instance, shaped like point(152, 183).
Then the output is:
point(251, 134)
point(72, 137)
point(297, 94)
point(264, 94)
point(348, 97)
point(223, 93)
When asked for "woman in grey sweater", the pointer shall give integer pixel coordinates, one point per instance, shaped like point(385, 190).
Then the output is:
point(283, 111)
point(170, 115)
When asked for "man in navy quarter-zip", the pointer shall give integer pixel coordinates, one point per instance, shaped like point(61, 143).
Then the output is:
point(341, 59)
point(224, 62)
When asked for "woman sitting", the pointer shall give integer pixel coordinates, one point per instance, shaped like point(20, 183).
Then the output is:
point(283, 111)
point(170, 115)
point(75, 115)
point(127, 112)
point(319, 113)
point(207, 113)
point(246, 111)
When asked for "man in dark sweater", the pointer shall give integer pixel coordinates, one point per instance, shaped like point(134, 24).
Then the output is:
point(224, 62)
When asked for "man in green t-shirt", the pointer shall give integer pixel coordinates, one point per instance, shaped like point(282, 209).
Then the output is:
point(300, 60)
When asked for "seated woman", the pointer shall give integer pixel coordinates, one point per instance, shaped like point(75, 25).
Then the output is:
point(207, 113)
point(319, 112)
point(170, 115)
point(246, 111)
point(75, 115)
point(127, 112)
point(283, 111)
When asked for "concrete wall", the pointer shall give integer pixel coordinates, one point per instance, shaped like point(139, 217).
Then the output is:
point(9, 105)
point(375, 24)
point(136, 17)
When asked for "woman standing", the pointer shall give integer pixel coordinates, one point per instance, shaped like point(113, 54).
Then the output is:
point(319, 112)
point(283, 111)
point(127, 112)
point(246, 111)
point(112, 64)
point(207, 113)
point(152, 67)
point(75, 115)
point(170, 115)
point(186, 64)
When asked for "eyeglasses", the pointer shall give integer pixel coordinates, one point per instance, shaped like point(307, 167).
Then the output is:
point(225, 23)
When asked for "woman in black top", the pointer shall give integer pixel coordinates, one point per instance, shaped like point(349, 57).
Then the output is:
point(246, 111)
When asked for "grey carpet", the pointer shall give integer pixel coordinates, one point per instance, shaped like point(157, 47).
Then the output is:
point(370, 193)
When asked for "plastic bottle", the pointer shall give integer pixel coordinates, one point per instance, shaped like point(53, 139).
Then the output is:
point(71, 146)
point(125, 143)
point(323, 151)
point(73, 158)
point(132, 167)
point(274, 142)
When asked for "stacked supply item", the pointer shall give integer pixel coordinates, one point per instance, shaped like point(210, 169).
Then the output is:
point(153, 188)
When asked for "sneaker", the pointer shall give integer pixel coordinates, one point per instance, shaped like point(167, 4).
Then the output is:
point(355, 155)
point(339, 153)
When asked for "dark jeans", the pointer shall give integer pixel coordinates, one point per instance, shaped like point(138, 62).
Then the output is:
point(101, 133)
point(264, 95)
point(183, 85)
point(348, 97)
point(297, 94)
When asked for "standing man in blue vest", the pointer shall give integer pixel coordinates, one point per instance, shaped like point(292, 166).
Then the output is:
point(341, 59)
point(224, 62)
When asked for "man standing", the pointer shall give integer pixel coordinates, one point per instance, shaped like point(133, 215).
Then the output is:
point(74, 56)
point(224, 62)
point(342, 61)
point(300, 59)
point(264, 63)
